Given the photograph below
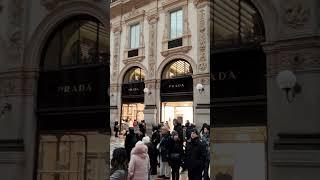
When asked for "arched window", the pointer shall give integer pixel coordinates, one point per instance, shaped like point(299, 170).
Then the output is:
point(134, 75)
point(236, 23)
point(177, 68)
point(77, 41)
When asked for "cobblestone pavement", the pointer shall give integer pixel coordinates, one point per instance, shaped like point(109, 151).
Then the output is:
point(119, 142)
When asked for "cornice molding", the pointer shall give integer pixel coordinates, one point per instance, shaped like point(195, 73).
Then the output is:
point(134, 59)
point(183, 49)
point(172, 4)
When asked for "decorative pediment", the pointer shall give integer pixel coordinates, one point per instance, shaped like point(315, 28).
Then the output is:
point(171, 4)
point(134, 15)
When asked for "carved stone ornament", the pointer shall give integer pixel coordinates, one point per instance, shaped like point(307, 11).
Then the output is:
point(203, 66)
point(152, 43)
point(202, 42)
point(298, 61)
point(296, 14)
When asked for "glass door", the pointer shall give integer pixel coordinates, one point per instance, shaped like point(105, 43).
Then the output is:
point(173, 110)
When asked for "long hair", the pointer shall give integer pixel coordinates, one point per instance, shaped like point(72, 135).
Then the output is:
point(119, 160)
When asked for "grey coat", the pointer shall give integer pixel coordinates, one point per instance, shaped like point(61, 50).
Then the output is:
point(119, 175)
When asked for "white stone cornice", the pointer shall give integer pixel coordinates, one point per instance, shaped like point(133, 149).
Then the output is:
point(172, 4)
point(184, 49)
point(134, 59)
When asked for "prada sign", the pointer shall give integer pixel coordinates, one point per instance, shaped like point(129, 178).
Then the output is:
point(238, 96)
point(177, 85)
point(69, 89)
point(225, 76)
point(133, 89)
point(236, 74)
point(73, 88)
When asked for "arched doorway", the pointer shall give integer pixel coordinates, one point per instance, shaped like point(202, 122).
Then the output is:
point(176, 92)
point(132, 97)
point(72, 109)
point(238, 93)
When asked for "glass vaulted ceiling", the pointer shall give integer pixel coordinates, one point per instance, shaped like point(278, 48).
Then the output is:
point(236, 23)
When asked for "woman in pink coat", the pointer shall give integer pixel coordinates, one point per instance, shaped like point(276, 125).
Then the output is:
point(139, 164)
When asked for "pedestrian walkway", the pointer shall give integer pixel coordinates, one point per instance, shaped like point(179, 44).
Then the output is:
point(119, 142)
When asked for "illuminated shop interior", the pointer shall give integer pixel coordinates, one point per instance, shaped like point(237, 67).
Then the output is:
point(173, 110)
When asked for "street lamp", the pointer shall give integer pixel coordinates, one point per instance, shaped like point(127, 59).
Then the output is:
point(287, 81)
point(200, 88)
point(147, 91)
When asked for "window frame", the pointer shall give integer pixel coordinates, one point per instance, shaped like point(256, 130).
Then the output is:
point(170, 24)
point(137, 43)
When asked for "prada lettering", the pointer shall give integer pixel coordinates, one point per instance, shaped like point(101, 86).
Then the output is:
point(133, 89)
point(221, 76)
point(176, 85)
point(75, 88)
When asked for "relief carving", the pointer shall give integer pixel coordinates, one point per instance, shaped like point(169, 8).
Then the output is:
point(14, 31)
point(296, 14)
point(298, 61)
point(152, 47)
point(116, 55)
point(202, 43)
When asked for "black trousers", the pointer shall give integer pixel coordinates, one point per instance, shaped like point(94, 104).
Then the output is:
point(195, 174)
point(175, 173)
point(206, 170)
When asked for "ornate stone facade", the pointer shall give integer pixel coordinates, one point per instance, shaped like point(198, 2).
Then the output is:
point(153, 20)
point(116, 29)
point(203, 66)
point(297, 13)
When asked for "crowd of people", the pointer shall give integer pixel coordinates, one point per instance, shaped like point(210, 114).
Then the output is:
point(182, 149)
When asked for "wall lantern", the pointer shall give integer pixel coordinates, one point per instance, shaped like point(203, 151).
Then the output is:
point(147, 91)
point(287, 81)
point(200, 88)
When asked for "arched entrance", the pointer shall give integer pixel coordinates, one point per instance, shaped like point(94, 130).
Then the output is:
point(132, 97)
point(72, 109)
point(176, 92)
point(238, 93)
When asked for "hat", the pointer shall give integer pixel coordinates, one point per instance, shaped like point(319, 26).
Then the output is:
point(146, 139)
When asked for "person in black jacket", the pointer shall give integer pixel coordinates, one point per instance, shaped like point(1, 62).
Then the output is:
point(130, 141)
point(195, 156)
point(116, 128)
point(152, 155)
point(175, 155)
point(178, 129)
point(164, 152)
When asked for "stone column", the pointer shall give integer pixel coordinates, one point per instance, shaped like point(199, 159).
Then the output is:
point(150, 111)
point(202, 99)
point(296, 50)
point(115, 63)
